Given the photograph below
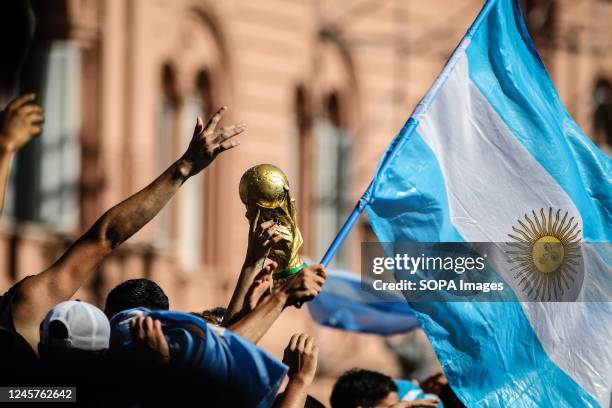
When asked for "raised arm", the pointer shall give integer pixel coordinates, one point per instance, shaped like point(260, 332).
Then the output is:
point(59, 282)
point(19, 122)
point(301, 356)
point(303, 288)
point(261, 238)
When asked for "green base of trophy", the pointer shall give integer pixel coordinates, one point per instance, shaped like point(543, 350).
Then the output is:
point(281, 278)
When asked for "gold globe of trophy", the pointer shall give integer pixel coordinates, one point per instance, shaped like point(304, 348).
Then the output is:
point(264, 189)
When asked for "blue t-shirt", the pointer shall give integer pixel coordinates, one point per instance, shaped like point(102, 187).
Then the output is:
point(214, 351)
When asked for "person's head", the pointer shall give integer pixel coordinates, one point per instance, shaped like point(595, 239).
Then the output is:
point(363, 388)
point(74, 329)
point(135, 293)
point(213, 316)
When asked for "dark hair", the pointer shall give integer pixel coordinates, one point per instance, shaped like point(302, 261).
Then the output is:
point(57, 330)
point(312, 402)
point(135, 293)
point(212, 316)
point(361, 387)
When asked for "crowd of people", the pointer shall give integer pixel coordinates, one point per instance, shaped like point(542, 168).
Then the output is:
point(139, 352)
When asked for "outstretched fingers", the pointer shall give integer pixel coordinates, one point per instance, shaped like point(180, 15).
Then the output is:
point(230, 144)
point(214, 120)
point(226, 133)
point(206, 143)
point(220, 140)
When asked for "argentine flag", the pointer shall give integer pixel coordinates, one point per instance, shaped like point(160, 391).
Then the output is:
point(491, 150)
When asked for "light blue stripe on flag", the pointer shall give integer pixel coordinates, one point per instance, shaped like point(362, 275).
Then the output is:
point(524, 97)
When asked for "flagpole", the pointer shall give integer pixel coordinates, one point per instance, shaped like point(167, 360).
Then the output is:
point(397, 143)
point(407, 130)
point(344, 231)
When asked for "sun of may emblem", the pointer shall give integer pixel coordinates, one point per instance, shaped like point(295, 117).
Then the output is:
point(545, 254)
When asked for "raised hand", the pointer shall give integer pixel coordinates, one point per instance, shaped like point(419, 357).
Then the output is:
point(260, 288)
point(262, 237)
point(434, 384)
point(208, 142)
point(302, 288)
point(20, 121)
point(61, 280)
point(301, 356)
point(305, 285)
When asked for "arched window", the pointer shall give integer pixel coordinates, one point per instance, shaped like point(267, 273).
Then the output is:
point(303, 150)
point(204, 92)
point(167, 118)
point(201, 78)
point(191, 197)
point(331, 148)
point(331, 184)
point(195, 198)
point(44, 186)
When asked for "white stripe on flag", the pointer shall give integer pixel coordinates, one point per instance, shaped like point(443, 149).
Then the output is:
point(492, 180)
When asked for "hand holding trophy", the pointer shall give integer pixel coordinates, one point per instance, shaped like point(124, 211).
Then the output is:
point(264, 190)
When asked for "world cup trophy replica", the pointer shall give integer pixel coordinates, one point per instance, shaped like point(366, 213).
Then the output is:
point(264, 190)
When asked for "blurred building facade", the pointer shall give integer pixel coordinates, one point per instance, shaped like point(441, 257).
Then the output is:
point(323, 86)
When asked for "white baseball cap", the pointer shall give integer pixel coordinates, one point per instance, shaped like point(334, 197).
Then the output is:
point(87, 327)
